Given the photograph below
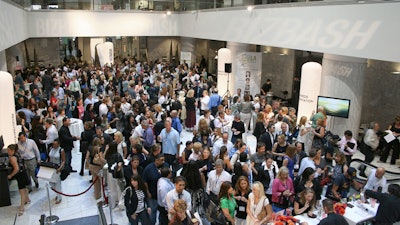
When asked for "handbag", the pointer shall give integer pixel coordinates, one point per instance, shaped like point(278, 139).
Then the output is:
point(214, 213)
point(97, 160)
point(263, 212)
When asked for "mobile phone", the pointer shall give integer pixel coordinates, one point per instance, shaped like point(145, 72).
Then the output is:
point(350, 205)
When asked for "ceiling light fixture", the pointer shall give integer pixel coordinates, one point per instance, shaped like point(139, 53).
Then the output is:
point(250, 8)
point(168, 12)
point(396, 72)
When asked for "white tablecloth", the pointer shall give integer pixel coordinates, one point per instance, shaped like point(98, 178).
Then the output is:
point(76, 129)
point(359, 213)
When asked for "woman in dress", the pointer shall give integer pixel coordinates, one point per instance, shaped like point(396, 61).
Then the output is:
point(237, 128)
point(279, 149)
point(137, 207)
point(259, 211)
point(191, 104)
point(242, 191)
point(319, 134)
point(18, 172)
point(96, 165)
point(227, 202)
point(288, 160)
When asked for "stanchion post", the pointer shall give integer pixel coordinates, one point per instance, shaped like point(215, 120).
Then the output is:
point(110, 208)
point(51, 219)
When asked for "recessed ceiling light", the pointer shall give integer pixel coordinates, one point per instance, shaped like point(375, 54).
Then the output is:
point(168, 12)
point(250, 8)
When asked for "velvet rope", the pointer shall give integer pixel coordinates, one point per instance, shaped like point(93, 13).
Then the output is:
point(74, 195)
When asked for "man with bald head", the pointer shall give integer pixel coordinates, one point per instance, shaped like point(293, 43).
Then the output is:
point(376, 180)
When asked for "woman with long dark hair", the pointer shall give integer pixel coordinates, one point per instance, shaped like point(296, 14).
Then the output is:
point(194, 185)
point(227, 201)
point(137, 207)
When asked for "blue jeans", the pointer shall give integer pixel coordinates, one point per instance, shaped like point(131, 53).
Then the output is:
point(153, 216)
point(143, 217)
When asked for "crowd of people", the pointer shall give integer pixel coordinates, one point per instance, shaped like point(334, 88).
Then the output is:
point(137, 111)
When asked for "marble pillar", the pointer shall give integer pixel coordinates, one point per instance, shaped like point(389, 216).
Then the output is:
point(3, 61)
point(343, 77)
point(189, 45)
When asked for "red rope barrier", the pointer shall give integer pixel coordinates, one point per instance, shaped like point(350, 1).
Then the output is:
point(68, 195)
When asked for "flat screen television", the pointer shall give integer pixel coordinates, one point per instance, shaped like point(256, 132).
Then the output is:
point(335, 106)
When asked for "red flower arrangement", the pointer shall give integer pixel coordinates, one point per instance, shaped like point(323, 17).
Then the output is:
point(340, 208)
point(282, 220)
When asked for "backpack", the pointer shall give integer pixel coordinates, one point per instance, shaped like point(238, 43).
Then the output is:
point(121, 203)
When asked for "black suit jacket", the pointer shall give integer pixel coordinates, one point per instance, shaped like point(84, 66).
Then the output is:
point(266, 139)
point(66, 139)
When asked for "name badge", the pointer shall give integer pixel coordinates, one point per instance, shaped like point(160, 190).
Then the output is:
point(242, 209)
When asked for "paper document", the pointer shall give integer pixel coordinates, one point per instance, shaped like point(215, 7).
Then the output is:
point(389, 137)
point(47, 173)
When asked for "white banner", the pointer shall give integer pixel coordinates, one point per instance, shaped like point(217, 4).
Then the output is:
point(93, 43)
point(187, 57)
point(106, 53)
point(248, 72)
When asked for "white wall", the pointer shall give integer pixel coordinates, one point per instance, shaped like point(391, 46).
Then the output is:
point(12, 25)
point(98, 24)
point(360, 30)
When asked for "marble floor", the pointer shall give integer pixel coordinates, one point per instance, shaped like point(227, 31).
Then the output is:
point(83, 205)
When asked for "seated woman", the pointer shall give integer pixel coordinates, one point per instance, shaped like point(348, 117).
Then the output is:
point(305, 202)
point(308, 180)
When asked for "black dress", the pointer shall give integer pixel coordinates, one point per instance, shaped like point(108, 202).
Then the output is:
point(22, 176)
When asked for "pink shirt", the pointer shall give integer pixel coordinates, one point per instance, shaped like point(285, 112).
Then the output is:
point(278, 186)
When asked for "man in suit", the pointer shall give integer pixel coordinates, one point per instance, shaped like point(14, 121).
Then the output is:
point(67, 142)
point(268, 137)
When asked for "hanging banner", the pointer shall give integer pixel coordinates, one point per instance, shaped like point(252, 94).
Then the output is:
point(105, 52)
point(248, 72)
point(93, 43)
point(186, 57)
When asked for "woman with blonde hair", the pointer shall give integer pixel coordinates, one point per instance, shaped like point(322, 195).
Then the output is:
point(191, 104)
point(282, 189)
point(303, 131)
point(96, 161)
point(259, 210)
point(180, 216)
point(305, 202)
point(121, 145)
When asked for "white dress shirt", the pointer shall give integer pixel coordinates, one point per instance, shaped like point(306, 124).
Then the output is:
point(214, 181)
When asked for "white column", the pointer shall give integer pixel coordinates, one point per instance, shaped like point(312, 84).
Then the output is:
point(343, 77)
point(3, 61)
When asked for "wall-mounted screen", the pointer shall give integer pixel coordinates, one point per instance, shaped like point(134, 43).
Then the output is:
point(335, 106)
